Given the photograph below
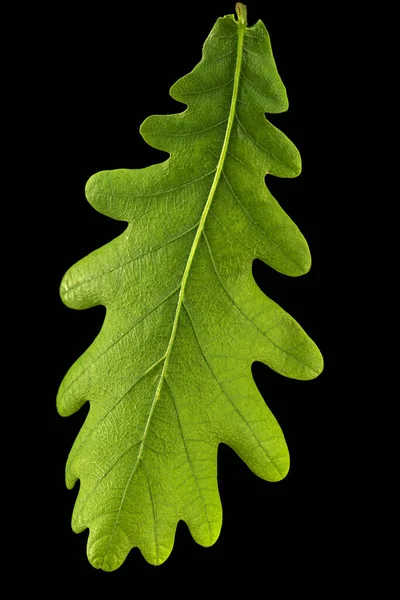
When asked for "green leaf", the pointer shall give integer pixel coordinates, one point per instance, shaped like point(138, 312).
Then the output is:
point(169, 375)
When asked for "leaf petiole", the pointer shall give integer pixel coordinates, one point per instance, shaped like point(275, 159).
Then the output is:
point(241, 11)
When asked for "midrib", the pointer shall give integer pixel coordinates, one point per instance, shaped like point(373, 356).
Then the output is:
point(241, 24)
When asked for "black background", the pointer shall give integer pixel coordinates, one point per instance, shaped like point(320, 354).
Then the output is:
point(105, 71)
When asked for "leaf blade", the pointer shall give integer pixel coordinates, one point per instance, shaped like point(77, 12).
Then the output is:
point(180, 299)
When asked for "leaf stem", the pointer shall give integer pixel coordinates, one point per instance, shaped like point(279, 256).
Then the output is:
point(241, 11)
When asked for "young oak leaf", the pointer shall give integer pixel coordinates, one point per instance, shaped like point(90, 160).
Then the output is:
point(169, 375)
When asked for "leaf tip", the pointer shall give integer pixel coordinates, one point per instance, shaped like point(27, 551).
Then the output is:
point(320, 363)
point(281, 467)
point(60, 403)
point(317, 364)
point(94, 188)
point(61, 406)
point(305, 265)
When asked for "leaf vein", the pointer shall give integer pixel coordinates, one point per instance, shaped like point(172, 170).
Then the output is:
point(194, 133)
point(131, 260)
point(251, 138)
point(174, 189)
point(156, 544)
point(206, 90)
point(189, 459)
point(120, 399)
point(117, 341)
point(263, 333)
point(265, 233)
point(227, 395)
